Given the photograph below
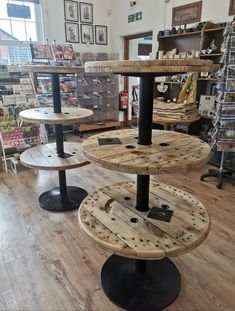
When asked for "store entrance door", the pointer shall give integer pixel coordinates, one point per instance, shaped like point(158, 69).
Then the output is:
point(136, 47)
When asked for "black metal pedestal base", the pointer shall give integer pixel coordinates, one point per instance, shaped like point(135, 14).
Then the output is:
point(152, 288)
point(221, 176)
point(53, 200)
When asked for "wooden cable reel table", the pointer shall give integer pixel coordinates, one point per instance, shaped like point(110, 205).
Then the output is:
point(169, 123)
point(59, 156)
point(143, 224)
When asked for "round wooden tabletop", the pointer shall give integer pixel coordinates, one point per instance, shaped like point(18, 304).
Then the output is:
point(46, 115)
point(44, 157)
point(52, 69)
point(150, 66)
point(108, 216)
point(169, 152)
point(171, 121)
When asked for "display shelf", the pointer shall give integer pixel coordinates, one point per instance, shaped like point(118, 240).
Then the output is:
point(223, 133)
point(166, 66)
point(99, 92)
point(45, 157)
point(15, 139)
point(122, 222)
point(68, 115)
point(51, 69)
point(119, 228)
point(193, 33)
point(62, 198)
point(214, 29)
point(97, 126)
point(169, 152)
point(211, 55)
point(170, 122)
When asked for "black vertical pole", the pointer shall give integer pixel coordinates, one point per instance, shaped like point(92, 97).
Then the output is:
point(146, 109)
point(58, 129)
point(145, 136)
point(140, 265)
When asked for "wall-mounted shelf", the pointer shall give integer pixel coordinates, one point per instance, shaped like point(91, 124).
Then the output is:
point(211, 55)
point(181, 35)
point(214, 29)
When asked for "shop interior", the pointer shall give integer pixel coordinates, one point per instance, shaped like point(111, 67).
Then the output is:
point(117, 141)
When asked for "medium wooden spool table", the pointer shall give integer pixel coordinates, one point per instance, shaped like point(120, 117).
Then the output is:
point(170, 123)
point(132, 220)
point(57, 156)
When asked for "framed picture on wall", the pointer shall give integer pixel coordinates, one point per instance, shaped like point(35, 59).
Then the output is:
point(71, 10)
point(86, 12)
point(101, 35)
point(187, 14)
point(87, 35)
point(232, 8)
point(72, 32)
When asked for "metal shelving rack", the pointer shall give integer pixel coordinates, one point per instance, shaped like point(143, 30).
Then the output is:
point(223, 134)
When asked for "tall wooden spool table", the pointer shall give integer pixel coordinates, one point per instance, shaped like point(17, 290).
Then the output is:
point(57, 156)
point(144, 223)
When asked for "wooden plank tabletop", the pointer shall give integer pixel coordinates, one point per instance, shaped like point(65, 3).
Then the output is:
point(52, 69)
point(150, 66)
point(44, 157)
point(171, 121)
point(108, 216)
point(169, 152)
point(46, 115)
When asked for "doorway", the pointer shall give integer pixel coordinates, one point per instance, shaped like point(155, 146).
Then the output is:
point(136, 47)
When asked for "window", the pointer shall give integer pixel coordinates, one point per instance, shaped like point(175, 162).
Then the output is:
point(13, 28)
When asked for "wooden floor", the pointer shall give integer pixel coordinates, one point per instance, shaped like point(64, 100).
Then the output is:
point(47, 264)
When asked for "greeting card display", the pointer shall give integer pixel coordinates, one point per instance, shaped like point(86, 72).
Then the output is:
point(41, 51)
point(63, 52)
point(223, 134)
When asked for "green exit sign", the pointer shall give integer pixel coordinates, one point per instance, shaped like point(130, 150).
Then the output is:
point(134, 17)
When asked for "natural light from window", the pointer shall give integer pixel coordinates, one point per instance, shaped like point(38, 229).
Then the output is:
point(18, 28)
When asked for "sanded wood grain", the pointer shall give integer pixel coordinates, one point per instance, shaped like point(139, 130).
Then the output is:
point(108, 216)
point(51, 69)
point(47, 263)
point(169, 152)
point(171, 121)
point(46, 115)
point(150, 66)
point(44, 157)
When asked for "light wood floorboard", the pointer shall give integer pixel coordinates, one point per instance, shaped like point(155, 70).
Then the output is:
point(46, 263)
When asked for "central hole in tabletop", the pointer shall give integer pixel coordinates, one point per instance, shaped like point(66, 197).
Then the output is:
point(130, 147)
point(164, 145)
point(134, 220)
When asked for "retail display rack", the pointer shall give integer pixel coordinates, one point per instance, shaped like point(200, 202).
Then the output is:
point(223, 134)
point(16, 94)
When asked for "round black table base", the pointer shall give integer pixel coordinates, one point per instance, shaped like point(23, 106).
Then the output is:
point(154, 289)
point(53, 200)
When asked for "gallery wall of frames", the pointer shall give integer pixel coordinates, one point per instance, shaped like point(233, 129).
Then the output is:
point(79, 27)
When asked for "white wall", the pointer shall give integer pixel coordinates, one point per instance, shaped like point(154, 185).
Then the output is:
point(212, 10)
point(54, 27)
point(157, 15)
point(152, 20)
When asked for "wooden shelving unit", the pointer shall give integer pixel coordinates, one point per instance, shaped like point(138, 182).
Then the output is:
point(211, 55)
point(186, 42)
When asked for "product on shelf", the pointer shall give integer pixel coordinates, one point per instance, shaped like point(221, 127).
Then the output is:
point(63, 52)
point(41, 51)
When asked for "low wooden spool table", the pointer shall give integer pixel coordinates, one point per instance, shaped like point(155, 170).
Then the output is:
point(57, 156)
point(140, 276)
